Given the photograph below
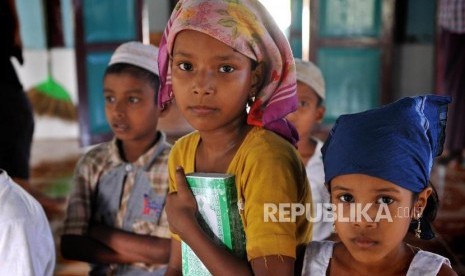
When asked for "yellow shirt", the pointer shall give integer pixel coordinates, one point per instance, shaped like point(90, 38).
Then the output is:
point(268, 170)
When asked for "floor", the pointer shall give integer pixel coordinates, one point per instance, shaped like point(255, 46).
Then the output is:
point(53, 163)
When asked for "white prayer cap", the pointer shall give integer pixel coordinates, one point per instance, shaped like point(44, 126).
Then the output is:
point(310, 74)
point(138, 54)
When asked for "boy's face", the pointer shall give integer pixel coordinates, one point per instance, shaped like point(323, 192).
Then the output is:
point(308, 112)
point(130, 108)
point(381, 215)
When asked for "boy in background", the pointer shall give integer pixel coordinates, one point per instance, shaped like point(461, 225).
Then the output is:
point(115, 218)
point(310, 112)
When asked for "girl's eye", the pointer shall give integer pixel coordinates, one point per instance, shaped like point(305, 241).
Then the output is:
point(346, 198)
point(385, 200)
point(109, 99)
point(226, 69)
point(184, 66)
point(134, 100)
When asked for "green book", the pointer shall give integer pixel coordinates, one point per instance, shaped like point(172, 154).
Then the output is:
point(219, 217)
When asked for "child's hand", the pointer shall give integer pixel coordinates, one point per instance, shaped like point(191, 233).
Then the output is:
point(181, 207)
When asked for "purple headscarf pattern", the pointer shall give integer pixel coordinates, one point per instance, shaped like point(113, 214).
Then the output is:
point(246, 26)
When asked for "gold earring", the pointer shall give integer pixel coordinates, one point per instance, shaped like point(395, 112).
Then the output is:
point(251, 99)
point(418, 229)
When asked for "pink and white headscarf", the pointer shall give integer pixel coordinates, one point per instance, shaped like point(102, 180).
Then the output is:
point(247, 27)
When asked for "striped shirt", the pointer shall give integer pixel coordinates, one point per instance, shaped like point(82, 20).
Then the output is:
point(103, 160)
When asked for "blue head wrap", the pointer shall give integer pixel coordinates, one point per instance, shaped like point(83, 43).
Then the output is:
point(396, 142)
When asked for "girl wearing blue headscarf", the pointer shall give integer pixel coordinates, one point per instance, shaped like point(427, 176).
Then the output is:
point(377, 168)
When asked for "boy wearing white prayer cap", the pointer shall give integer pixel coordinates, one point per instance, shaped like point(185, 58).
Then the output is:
point(310, 112)
point(115, 218)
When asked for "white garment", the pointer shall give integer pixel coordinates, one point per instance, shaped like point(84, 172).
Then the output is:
point(316, 177)
point(318, 254)
point(26, 242)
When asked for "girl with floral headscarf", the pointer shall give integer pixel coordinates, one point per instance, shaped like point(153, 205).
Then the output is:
point(231, 72)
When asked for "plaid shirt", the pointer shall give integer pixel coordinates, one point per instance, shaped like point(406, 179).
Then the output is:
point(452, 15)
point(100, 161)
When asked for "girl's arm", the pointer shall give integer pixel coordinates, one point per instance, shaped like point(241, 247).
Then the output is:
point(175, 263)
point(181, 208)
point(132, 247)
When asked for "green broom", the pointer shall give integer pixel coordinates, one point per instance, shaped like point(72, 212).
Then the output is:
point(51, 99)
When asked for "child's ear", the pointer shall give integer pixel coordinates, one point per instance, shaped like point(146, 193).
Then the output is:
point(257, 78)
point(423, 199)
